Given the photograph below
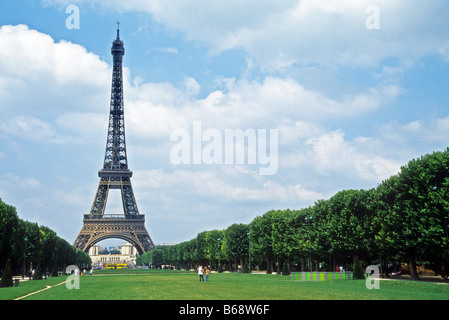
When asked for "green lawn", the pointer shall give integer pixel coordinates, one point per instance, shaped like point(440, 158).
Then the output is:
point(169, 285)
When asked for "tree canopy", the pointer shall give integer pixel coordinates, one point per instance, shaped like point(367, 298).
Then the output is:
point(403, 219)
point(26, 244)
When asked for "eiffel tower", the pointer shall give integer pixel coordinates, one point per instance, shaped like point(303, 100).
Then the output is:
point(97, 225)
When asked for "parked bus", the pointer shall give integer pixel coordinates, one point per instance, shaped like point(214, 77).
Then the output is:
point(115, 265)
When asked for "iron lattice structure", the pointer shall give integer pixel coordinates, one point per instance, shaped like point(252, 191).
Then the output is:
point(97, 225)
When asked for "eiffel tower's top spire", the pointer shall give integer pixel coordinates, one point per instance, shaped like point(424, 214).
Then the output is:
point(117, 45)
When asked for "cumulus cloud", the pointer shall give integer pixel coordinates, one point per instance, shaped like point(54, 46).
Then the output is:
point(279, 34)
point(213, 183)
point(158, 109)
point(331, 153)
point(154, 110)
point(32, 63)
point(30, 128)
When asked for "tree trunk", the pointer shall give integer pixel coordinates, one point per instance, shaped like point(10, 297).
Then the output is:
point(269, 268)
point(278, 269)
point(412, 267)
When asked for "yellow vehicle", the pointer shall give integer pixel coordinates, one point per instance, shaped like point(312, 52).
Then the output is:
point(115, 265)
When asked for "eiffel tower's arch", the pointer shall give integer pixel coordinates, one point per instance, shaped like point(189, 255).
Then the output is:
point(96, 229)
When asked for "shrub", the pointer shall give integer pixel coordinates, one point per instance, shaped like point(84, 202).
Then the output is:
point(245, 268)
point(38, 273)
point(285, 270)
point(358, 270)
point(6, 280)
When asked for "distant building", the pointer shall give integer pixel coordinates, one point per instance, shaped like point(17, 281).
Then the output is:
point(127, 255)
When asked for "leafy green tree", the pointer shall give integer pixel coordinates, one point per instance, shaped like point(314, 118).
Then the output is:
point(318, 228)
point(169, 255)
point(83, 259)
point(287, 236)
point(8, 225)
point(180, 255)
point(414, 205)
point(157, 257)
point(191, 253)
point(236, 243)
point(33, 244)
point(201, 248)
point(213, 246)
point(305, 238)
point(260, 230)
point(48, 242)
point(387, 225)
point(349, 222)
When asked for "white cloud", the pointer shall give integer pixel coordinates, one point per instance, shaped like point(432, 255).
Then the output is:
point(244, 104)
point(171, 50)
point(221, 185)
point(39, 76)
point(23, 191)
point(153, 110)
point(332, 155)
point(279, 34)
point(30, 128)
point(430, 133)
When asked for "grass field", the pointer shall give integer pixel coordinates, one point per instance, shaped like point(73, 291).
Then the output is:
point(172, 285)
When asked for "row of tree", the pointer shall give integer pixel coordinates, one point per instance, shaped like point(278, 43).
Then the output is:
point(402, 220)
point(28, 246)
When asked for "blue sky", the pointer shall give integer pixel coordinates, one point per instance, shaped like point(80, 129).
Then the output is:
point(351, 103)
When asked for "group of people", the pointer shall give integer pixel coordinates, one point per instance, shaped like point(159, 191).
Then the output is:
point(201, 271)
point(339, 269)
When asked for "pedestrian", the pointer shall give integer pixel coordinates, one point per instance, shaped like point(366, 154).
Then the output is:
point(336, 268)
point(207, 274)
point(200, 273)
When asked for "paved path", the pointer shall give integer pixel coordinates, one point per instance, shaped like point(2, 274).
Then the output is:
point(48, 287)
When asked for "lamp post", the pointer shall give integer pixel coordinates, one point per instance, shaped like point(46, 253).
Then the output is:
point(310, 249)
point(24, 258)
point(249, 253)
point(219, 258)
